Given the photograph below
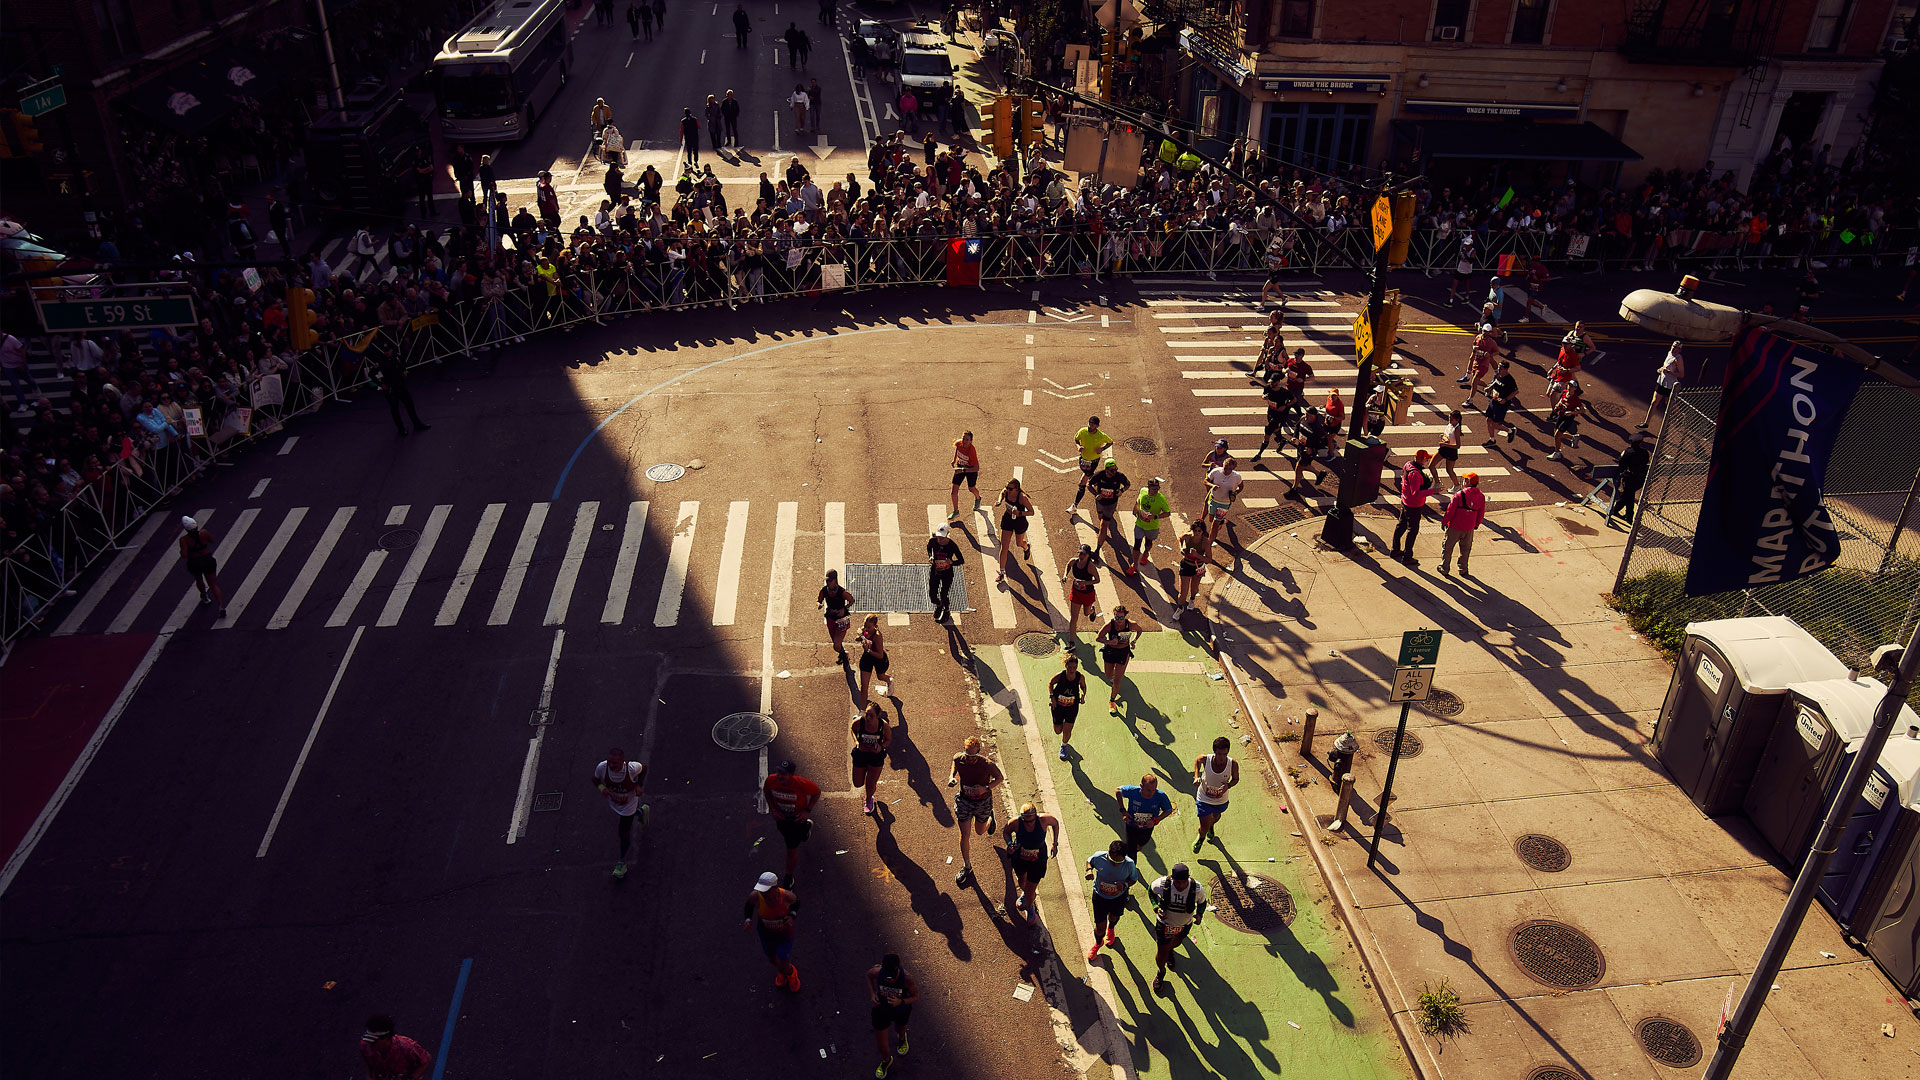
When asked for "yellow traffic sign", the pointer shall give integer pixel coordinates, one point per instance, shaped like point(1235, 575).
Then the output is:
point(1362, 339)
point(1382, 222)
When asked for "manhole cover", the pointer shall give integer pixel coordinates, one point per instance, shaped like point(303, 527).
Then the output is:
point(1555, 954)
point(1277, 518)
point(745, 731)
point(1543, 853)
point(1251, 905)
point(399, 539)
point(1610, 408)
point(665, 472)
point(1140, 444)
point(1668, 1042)
point(548, 801)
point(1037, 644)
point(1552, 1072)
point(1410, 745)
point(1443, 703)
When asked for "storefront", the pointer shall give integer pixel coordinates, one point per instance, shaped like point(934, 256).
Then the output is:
point(1456, 138)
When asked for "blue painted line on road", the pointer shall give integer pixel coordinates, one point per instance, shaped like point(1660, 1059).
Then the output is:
point(453, 1014)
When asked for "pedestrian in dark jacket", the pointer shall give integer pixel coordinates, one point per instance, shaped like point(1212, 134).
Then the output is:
point(1634, 461)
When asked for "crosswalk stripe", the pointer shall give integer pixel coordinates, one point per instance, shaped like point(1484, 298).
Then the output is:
point(1390, 429)
point(1249, 309)
point(310, 570)
point(986, 542)
point(625, 563)
point(674, 587)
point(786, 530)
point(228, 543)
point(1293, 301)
point(416, 563)
point(889, 514)
point(237, 605)
point(562, 597)
point(1332, 319)
point(143, 595)
point(398, 515)
point(518, 564)
point(108, 579)
point(733, 548)
point(463, 579)
point(357, 588)
point(1048, 572)
point(836, 540)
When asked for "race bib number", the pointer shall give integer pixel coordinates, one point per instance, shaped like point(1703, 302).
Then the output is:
point(1029, 853)
point(1167, 930)
point(1213, 792)
point(1109, 888)
point(943, 564)
point(972, 792)
point(1143, 820)
point(1065, 699)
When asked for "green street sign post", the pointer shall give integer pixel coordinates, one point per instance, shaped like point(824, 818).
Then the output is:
point(1412, 681)
point(43, 99)
point(118, 313)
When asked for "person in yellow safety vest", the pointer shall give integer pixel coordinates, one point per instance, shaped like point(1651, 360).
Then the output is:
point(549, 276)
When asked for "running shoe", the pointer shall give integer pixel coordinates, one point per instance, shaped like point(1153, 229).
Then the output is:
point(1509, 434)
point(1113, 707)
point(205, 599)
point(223, 613)
point(1063, 752)
point(787, 882)
point(964, 878)
point(869, 807)
point(881, 1069)
point(902, 1048)
point(779, 978)
point(1093, 953)
point(1159, 983)
point(976, 504)
point(793, 980)
point(620, 869)
point(1000, 579)
point(1112, 942)
point(1197, 841)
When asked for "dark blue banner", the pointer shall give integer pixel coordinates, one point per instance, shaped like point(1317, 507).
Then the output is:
point(1762, 521)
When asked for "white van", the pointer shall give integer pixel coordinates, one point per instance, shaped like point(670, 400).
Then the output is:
point(924, 64)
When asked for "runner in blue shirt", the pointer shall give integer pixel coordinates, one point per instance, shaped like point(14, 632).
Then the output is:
point(1142, 806)
point(1113, 876)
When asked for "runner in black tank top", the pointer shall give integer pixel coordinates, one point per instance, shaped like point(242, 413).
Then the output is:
point(837, 603)
point(893, 993)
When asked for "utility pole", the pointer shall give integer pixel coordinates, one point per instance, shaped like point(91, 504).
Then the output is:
point(1337, 530)
point(333, 68)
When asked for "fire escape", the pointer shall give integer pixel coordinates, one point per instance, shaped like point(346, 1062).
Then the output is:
point(1219, 23)
point(1707, 33)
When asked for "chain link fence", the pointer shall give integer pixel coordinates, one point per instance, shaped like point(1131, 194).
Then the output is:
point(1869, 598)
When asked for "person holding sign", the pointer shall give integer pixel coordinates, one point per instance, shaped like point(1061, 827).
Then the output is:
point(1113, 876)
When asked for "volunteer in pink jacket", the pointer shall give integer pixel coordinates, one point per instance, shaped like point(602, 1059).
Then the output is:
point(1464, 513)
point(1416, 484)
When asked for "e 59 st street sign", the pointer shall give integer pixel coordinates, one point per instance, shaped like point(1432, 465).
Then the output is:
point(118, 313)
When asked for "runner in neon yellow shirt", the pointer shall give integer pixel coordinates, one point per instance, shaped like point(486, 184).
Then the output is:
point(1093, 444)
point(1150, 509)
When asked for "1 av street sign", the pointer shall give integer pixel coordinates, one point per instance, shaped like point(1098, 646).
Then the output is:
point(1419, 648)
point(119, 313)
point(43, 99)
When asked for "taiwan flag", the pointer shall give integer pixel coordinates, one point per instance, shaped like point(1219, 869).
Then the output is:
point(963, 262)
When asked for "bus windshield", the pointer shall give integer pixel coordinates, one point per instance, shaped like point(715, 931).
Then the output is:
point(475, 91)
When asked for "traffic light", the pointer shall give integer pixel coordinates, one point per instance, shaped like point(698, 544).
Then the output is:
point(1403, 205)
point(1109, 52)
point(300, 318)
point(28, 134)
point(998, 116)
point(1032, 119)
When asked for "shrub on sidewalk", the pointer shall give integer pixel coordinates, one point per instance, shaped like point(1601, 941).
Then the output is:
point(1439, 1012)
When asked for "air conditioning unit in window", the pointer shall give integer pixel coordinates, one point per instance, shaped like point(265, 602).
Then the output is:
point(1446, 33)
point(1898, 46)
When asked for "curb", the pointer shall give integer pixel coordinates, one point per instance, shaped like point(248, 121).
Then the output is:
point(1336, 888)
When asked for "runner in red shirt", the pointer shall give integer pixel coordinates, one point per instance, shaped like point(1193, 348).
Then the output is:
point(790, 800)
point(391, 1057)
point(966, 467)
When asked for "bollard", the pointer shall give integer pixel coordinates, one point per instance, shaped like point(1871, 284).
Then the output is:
point(1306, 732)
point(1346, 799)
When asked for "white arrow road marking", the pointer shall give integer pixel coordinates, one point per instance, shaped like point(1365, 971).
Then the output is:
point(821, 148)
point(1057, 386)
point(1058, 457)
point(1067, 397)
point(1055, 468)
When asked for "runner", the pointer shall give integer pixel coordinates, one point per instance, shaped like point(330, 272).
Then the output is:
point(1275, 343)
point(1193, 554)
point(1215, 458)
point(1025, 839)
point(391, 1057)
point(1502, 392)
point(1282, 406)
point(977, 776)
point(1149, 510)
point(1083, 576)
point(1479, 363)
point(196, 546)
point(1223, 487)
point(1113, 876)
point(790, 800)
point(872, 733)
point(1178, 904)
point(622, 782)
point(1093, 443)
point(966, 468)
point(893, 992)
point(769, 912)
point(873, 658)
point(1447, 454)
point(1564, 419)
point(1314, 445)
point(1108, 485)
point(1066, 692)
point(1142, 806)
point(1276, 266)
point(1116, 641)
point(943, 554)
point(837, 602)
point(1672, 370)
point(1014, 507)
point(1462, 271)
point(1214, 775)
point(1537, 278)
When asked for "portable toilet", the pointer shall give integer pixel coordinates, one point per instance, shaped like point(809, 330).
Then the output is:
point(1727, 691)
point(1887, 922)
point(1894, 783)
point(1820, 727)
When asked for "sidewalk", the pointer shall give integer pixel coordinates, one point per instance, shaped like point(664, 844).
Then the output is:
point(1288, 999)
point(1549, 702)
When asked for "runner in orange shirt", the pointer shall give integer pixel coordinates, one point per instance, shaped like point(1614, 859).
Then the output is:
point(966, 466)
point(790, 800)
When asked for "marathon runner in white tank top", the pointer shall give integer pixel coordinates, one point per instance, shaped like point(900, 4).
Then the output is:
point(1213, 776)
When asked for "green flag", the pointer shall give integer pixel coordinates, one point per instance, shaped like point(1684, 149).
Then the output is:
point(1505, 199)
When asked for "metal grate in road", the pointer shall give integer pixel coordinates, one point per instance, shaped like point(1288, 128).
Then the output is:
point(1668, 1042)
point(900, 587)
point(1277, 518)
point(1554, 954)
point(1140, 444)
point(1410, 744)
point(1543, 853)
point(399, 539)
point(1037, 644)
point(1443, 703)
point(1553, 1072)
point(1251, 905)
point(743, 731)
point(548, 801)
point(665, 471)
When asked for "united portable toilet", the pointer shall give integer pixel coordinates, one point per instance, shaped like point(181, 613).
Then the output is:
point(1893, 784)
point(1887, 922)
point(1726, 693)
point(1820, 727)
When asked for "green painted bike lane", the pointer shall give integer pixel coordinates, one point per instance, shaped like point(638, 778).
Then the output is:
point(1290, 1001)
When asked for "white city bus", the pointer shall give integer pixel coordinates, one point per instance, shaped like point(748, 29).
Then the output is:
point(500, 71)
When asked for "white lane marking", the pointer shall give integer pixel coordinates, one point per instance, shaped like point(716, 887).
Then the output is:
point(398, 515)
point(629, 62)
point(463, 578)
point(936, 517)
point(1106, 320)
point(517, 565)
point(1033, 316)
point(416, 564)
point(1020, 473)
point(143, 595)
point(776, 112)
point(786, 528)
point(1022, 440)
point(987, 542)
point(624, 564)
point(115, 570)
point(300, 763)
point(184, 609)
point(543, 712)
point(1026, 397)
point(261, 567)
point(674, 587)
point(703, 56)
point(836, 537)
point(1048, 570)
point(51, 810)
point(357, 588)
point(570, 563)
point(260, 488)
point(890, 549)
point(1029, 363)
point(310, 571)
point(287, 447)
point(862, 102)
point(726, 588)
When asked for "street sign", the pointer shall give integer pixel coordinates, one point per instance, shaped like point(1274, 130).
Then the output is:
point(1382, 222)
point(118, 313)
point(1362, 339)
point(1419, 648)
point(43, 99)
point(1412, 683)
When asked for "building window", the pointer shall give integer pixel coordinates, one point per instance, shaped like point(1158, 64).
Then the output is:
point(1450, 20)
point(115, 19)
point(1319, 135)
point(1290, 18)
point(1530, 21)
point(1829, 25)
